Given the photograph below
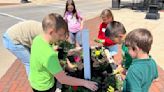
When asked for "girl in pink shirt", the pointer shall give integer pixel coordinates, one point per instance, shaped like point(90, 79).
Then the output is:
point(75, 22)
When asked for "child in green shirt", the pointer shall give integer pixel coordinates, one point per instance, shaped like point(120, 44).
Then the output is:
point(44, 63)
point(143, 69)
point(127, 59)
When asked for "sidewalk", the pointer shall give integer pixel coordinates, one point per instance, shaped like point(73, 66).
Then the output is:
point(9, 1)
point(6, 3)
point(15, 79)
point(33, 1)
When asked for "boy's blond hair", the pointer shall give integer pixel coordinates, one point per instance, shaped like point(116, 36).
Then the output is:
point(54, 21)
point(107, 13)
point(141, 38)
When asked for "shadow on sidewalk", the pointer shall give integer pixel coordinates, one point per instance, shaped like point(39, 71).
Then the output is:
point(6, 4)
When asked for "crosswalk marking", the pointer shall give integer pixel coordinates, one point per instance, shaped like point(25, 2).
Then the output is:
point(12, 16)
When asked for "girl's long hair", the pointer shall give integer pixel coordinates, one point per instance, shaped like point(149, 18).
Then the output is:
point(71, 2)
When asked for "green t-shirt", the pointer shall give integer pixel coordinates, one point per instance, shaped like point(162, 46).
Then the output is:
point(127, 60)
point(140, 75)
point(44, 64)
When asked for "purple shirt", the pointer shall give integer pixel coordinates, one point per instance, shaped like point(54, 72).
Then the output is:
point(73, 23)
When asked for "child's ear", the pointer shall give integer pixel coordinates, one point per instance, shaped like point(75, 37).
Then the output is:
point(51, 31)
point(123, 36)
point(137, 48)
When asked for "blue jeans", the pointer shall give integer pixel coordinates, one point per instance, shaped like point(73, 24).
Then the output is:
point(76, 37)
point(20, 51)
point(113, 50)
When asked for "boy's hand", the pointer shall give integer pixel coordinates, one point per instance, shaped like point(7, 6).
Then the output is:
point(70, 65)
point(91, 85)
point(55, 48)
point(120, 69)
point(99, 41)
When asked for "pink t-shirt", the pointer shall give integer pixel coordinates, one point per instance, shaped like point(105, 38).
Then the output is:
point(73, 23)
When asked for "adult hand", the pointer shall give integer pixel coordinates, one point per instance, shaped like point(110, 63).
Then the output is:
point(91, 85)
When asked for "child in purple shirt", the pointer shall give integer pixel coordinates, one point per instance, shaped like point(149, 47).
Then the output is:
point(75, 22)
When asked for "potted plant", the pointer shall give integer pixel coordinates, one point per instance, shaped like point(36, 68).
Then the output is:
point(102, 71)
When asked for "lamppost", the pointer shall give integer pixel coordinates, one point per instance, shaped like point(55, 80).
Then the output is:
point(25, 1)
point(153, 10)
point(115, 4)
